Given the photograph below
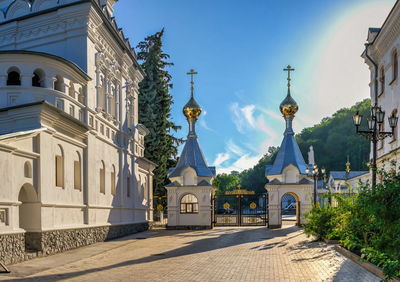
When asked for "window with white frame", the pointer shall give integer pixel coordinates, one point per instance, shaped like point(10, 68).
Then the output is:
point(189, 204)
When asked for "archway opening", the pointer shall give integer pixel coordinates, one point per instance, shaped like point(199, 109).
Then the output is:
point(290, 209)
point(29, 214)
point(13, 76)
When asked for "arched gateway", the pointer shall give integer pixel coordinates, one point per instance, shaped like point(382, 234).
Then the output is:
point(288, 173)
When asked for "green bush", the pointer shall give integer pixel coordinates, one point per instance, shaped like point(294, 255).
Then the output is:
point(367, 223)
point(321, 222)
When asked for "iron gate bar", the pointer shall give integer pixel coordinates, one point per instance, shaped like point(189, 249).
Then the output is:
point(240, 210)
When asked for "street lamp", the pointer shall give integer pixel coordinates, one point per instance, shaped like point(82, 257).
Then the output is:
point(375, 122)
point(375, 131)
point(315, 173)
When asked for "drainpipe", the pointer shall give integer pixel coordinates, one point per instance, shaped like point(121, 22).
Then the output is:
point(374, 135)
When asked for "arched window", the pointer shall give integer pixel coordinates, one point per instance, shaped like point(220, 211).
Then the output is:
point(395, 65)
point(102, 178)
point(59, 167)
point(382, 79)
point(113, 187)
point(189, 204)
point(13, 76)
point(78, 172)
point(59, 84)
point(28, 169)
point(38, 78)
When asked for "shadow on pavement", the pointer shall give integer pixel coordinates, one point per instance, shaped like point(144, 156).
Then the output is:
point(221, 240)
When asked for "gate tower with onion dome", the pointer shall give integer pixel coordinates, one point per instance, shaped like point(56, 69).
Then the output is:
point(190, 192)
point(287, 175)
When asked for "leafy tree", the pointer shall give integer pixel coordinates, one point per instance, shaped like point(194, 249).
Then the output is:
point(155, 108)
point(334, 138)
point(225, 182)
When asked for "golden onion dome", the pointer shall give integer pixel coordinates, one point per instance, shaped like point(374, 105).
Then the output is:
point(192, 110)
point(288, 106)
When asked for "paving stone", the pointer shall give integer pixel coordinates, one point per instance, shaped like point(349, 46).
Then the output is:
point(221, 254)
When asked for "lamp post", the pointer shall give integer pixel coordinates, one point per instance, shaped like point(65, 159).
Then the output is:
point(375, 122)
point(315, 172)
point(375, 131)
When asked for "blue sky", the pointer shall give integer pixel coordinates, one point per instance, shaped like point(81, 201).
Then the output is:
point(239, 48)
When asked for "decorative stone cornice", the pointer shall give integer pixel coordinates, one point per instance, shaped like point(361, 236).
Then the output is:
point(387, 35)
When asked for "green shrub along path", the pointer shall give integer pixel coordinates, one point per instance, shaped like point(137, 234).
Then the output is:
point(366, 223)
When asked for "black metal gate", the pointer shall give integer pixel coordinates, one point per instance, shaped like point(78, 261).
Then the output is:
point(240, 210)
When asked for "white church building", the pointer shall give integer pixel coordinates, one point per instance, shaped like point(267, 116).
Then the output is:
point(72, 170)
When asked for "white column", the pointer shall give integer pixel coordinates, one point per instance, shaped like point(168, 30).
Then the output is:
point(98, 87)
point(26, 79)
point(3, 80)
point(49, 82)
point(117, 94)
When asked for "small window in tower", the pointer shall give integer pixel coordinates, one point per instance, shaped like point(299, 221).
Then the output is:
point(38, 78)
point(13, 77)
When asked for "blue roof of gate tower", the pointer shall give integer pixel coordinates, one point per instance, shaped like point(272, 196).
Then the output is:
point(289, 153)
point(192, 156)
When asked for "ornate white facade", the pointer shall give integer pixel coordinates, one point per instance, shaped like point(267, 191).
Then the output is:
point(71, 146)
point(384, 49)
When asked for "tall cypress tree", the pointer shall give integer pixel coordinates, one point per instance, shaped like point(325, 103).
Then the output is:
point(155, 109)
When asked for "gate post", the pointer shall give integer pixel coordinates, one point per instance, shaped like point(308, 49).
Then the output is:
point(265, 210)
point(240, 210)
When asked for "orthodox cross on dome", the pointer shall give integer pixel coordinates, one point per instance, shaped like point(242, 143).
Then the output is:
point(288, 69)
point(192, 73)
point(192, 110)
point(288, 107)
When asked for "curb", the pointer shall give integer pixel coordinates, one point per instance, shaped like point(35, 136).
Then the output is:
point(332, 242)
point(367, 265)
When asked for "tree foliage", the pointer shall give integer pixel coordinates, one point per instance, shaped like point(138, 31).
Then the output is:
point(334, 138)
point(155, 108)
point(225, 182)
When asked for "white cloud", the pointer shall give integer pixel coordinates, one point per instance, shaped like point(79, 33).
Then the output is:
point(203, 124)
point(248, 114)
point(221, 158)
point(244, 162)
point(258, 135)
point(237, 117)
point(233, 148)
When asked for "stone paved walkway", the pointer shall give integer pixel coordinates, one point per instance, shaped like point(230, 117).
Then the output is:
point(221, 254)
